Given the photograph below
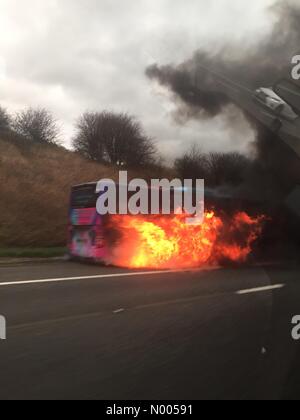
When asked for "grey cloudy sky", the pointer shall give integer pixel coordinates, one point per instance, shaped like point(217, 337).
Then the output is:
point(77, 55)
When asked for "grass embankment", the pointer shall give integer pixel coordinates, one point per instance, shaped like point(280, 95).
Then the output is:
point(35, 184)
point(32, 252)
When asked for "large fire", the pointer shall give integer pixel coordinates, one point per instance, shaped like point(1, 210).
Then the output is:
point(162, 242)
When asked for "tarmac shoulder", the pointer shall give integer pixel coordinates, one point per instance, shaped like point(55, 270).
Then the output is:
point(4, 262)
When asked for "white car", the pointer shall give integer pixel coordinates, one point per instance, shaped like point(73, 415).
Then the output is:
point(269, 99)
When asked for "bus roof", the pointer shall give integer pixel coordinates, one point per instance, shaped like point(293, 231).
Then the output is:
point(87, 184)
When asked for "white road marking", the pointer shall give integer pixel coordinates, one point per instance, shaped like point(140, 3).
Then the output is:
point(260, 289)
point(100, 276)
point(119, 311)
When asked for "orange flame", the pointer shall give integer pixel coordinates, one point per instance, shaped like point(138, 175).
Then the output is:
point(160, 242)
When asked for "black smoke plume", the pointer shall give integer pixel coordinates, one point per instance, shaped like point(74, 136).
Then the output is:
point(260, 65)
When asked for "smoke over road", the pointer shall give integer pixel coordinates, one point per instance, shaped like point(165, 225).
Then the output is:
point(259, 65)
point(198, 96)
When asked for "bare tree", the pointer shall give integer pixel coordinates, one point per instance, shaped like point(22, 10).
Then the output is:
point(89, 140)
point(192, 165)
point(5, 120)
point(114, 138)
point(37, 125)
point(216, 168)
point(227, 168)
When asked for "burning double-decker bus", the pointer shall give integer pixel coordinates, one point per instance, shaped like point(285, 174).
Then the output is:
point(160, 241)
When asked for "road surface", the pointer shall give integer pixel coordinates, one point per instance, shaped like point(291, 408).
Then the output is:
point(86, 332)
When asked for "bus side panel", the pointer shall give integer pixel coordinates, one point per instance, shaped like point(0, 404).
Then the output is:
point(86, 235)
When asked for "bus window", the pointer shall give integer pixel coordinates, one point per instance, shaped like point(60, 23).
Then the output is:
point(84, 197)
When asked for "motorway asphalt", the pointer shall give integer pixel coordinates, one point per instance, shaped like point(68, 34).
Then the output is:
point(90, 332)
